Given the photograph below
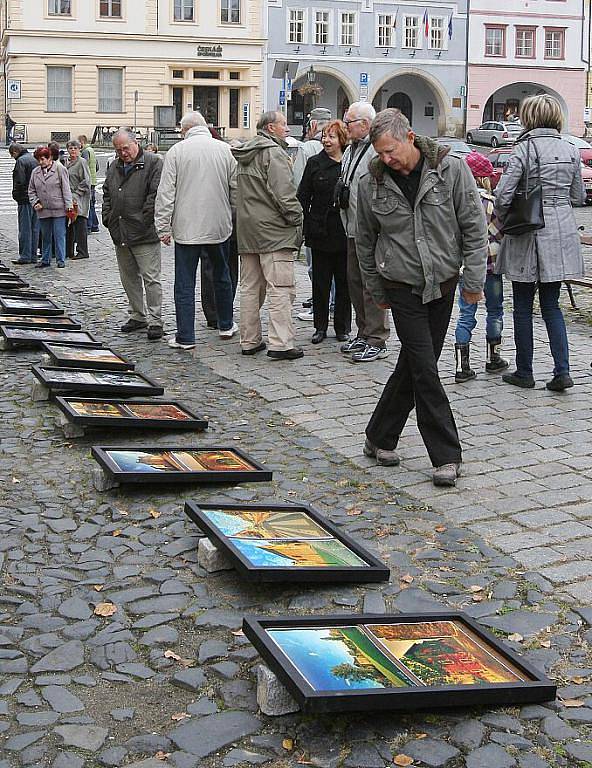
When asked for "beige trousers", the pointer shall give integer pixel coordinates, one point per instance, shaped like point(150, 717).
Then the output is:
point(139, 270)
point(271, 275)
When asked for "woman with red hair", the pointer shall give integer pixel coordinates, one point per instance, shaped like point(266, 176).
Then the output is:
point(324, 234)
point(50, 196)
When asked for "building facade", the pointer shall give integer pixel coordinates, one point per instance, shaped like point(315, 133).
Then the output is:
point(72, 65)
point(393, 53)
point(525, 47)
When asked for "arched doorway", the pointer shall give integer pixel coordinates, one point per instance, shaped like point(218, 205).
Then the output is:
point(504, 104)
point(402, 102)
point(334, 94)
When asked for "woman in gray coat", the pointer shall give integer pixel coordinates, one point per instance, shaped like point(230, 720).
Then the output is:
point(545, 257)
point(80, 185)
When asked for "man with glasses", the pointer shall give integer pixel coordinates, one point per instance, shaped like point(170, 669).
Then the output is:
point(371, 320)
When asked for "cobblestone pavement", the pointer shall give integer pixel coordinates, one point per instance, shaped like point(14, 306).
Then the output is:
point(512, 546)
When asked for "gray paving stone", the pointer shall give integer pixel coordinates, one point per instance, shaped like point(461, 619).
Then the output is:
point(468, 734)
point(244, 757)
point(190, 679)
point(61, 699)
point(431, 752)
point(68, 760)
point(490, 756)
point(62, 659)
point(213, 732)
point(525, 623)
point(87, 737)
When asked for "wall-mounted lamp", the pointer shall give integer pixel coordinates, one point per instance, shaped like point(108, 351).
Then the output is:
point(412, 54)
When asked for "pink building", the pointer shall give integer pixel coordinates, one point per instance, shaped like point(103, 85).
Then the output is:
point(529, 47)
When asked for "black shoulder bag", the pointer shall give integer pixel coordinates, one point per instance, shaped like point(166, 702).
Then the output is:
point(526, 210)
point(342, 188)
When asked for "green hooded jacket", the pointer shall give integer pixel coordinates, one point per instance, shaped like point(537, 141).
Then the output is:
point(268, 214)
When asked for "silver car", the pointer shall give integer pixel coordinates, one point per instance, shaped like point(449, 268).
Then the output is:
point(495, 133)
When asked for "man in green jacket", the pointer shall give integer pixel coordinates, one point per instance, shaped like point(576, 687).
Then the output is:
point(269, 231)
point(88, 153)
point(420, 220)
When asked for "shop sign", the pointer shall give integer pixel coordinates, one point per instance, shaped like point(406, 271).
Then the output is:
point(214, 51)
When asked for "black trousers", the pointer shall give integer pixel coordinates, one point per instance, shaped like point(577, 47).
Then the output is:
point(206, 276)
point(77, 233)
point(421, 329)
point(326, 267)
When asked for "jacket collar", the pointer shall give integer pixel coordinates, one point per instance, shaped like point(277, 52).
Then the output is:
point(325, 161)
point(432, 152)
point(198, 130)
point(276, 139)
point(536, 133)
point(139, 162)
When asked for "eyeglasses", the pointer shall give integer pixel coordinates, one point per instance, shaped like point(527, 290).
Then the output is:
point(357, 120)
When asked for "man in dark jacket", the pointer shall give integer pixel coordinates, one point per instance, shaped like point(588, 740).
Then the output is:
point(28, 223)
point(129, 192)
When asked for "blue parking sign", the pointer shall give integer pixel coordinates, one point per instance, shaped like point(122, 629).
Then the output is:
point(363, 78)
point(282, 98)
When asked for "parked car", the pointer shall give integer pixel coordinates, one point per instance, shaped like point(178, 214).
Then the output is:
point(499, 159)
point(495, 133)
point(587, 179)
point(582, 145)
point(457, 146)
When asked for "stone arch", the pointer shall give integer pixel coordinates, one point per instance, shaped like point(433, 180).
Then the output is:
point(513, 93)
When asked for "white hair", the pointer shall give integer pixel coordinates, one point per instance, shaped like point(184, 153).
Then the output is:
point(363, 109)
point(191, 119)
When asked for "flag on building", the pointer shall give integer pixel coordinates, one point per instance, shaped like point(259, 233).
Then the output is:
point(395, 19)
point(450, 27)
point(426, 23)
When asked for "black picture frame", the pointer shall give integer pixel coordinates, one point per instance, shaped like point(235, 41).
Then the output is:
point(16, 336)
point(28, 293)
point(536, 687)
point(28, 305)
point(194, 423)
point(40, 321)
point(56, 378)
point(101, 454)
point(374, 569)
point(56, 351)
point(11, 283)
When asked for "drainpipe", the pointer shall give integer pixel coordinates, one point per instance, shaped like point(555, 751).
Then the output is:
point(467, 29)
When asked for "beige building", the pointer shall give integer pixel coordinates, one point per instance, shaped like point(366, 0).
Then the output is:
point(72, 65)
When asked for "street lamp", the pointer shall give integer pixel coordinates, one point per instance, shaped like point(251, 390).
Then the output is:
point(311, 77)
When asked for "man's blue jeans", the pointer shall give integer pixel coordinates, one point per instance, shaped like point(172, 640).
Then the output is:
point(28, 232)
point(92, 222)
point(553, 317)
point(54, 228)
point(494, 304)
point(186, 261)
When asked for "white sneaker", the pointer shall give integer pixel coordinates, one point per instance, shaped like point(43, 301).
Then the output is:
point(306, 316)
point(229, 333)
point(172, 342)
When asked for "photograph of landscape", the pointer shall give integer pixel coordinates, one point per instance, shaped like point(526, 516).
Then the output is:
point(178, 461)
point(129, 410)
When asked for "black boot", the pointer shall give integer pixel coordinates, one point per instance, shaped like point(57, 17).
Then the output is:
point(464, 372)
point(494, 360)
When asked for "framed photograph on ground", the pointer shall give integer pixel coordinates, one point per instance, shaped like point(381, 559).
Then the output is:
point(97, 382)
point(38, 321)
point(80, 356)
point(28, 305)
point(179, 464)
point(285, 542)
point(13, 336)
point(130, 414)
point(404, 661)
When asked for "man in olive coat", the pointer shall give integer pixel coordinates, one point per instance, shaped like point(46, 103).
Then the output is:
point(269, 229)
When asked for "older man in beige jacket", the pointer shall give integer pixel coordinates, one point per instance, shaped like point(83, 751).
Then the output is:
point(194, 208)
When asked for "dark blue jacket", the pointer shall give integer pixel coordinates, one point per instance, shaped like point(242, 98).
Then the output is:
point(21, 175)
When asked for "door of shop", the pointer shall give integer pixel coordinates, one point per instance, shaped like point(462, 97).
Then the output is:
point(205, 98)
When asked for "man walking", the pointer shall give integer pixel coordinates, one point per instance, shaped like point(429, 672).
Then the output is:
point(28, 223)
point(129, 192)
point(371, 321)
point(194, 208)
point(88, 153)
point(269, 229)
point(420, 219)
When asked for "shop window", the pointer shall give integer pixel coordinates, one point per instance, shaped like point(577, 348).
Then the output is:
point(234, 108)
point(59, 89)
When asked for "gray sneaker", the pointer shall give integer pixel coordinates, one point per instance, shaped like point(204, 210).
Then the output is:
point(446, 475)
point(384, 457)
point(368, 354)
point(355, 345)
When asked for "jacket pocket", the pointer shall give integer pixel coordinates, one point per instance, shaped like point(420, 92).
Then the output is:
point(384, 206)
point(437, 195)
point(283, 269)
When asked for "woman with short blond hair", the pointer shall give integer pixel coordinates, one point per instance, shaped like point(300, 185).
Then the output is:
point(543, 258)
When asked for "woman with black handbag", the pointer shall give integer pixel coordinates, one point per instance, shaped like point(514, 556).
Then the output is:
point(541, 245)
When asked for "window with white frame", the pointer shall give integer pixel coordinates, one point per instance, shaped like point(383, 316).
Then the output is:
point(386, 29)
point(184, 10)
point(322, 27)
point(59, 7)
point(110, 9)
point(525, 42)
point(554, 43)
point(411, 37)
point(348, 28)
point(59, 89)
point(110, 89)
point(296, 19)
point(495, 41)
point(230, 11)
point(437, 36)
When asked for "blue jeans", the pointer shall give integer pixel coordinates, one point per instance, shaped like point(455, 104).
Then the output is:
point(92, 222)
point(186, 261)
point(53, 228)
point(28, 232)
point(553, 317)
point(494, 304)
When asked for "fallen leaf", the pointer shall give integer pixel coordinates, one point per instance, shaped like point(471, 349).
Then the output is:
point(478, 598)
point(407, 579)
point(353, 512)
point(168, 654)
point(116, 533)
point(578, 680)
point(421, 736)
point(105, 609)
point(160, 755)
point(98, 587)
point(123, 512)
point(403, 760)
point(545, 643)
point(288, 744)
point(476, 588)
point(15, 480)
point(154, 513)
point(238, 632)
point(572, 702)
point(440, 528)
point(180, 716)
point(515, 638)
